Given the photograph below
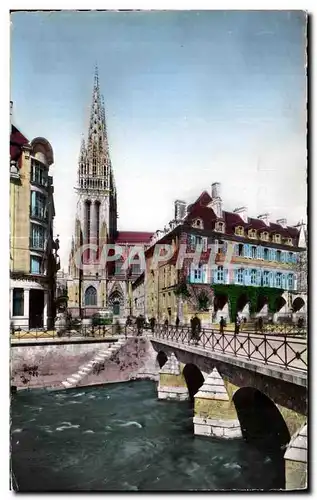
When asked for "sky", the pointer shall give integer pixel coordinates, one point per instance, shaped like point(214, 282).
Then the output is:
point(191, 98)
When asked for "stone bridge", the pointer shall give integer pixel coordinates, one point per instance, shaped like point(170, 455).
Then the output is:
point(262, 399)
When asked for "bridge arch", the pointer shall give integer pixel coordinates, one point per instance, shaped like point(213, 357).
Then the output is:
point(260, 419)
point(194, 379)
point(298, 304)
point(161, 358)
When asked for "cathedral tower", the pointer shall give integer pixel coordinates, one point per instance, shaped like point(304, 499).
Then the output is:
point(96, 214)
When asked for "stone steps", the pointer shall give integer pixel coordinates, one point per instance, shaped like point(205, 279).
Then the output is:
point(84, 370)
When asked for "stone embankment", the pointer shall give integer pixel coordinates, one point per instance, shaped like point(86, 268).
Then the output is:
point(77, 365)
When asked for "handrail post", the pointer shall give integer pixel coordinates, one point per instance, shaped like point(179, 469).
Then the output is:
point(285, 352)
point(265, 349)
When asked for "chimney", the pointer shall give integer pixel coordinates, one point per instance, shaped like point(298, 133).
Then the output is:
point(216, 202)
point(215, 190)
point(282, 222)
point(243, 212)
point(265, 218)
point(180, 210)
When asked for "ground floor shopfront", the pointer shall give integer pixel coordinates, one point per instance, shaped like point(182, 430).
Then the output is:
point(31, 304)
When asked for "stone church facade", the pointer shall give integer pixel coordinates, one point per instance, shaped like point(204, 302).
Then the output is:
point(92, 286)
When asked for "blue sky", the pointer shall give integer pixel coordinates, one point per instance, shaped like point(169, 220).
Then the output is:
point(191, 98)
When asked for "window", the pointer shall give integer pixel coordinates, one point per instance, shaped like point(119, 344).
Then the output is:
point(253, 276)
point(252, 233)
point(199, 240)
point(91, 296)
point(265, 236)
point(38, 205)
point(220, 227)
point(18, 302)
point(136, 269)
point(38, 234)
point(38, 174)
point(197, 273)
point(290, 281)
point(266, 278)
point(253, 252)
point(97, 207)
point(277, 238)
point(278, 280)
point(198, 223)
point(278, 255)
point(240, 276)
point(118, 266)
point(290, 257)
point(220, 274)
point(240, 250)
point(239, 231)
point(266, 254)
point(289, 241)
point(36, 265)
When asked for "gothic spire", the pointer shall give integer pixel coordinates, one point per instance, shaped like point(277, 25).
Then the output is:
point(96, 132)
point(95, 170)
point(82, 153)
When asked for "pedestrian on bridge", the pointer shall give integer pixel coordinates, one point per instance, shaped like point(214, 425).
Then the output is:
point(237, 325)
point(177, 322)
point(195, 328)
point(222, 324)
point(139, 324)
point(152, 324)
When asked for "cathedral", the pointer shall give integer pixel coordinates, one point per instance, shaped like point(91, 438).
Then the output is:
point(91, 286)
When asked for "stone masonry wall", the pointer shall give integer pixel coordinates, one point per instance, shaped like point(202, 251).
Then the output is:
point(56, 363)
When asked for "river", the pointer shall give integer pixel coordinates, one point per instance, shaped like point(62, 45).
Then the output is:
point(120, 437)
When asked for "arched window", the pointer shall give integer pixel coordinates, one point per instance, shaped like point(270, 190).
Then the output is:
point(91, 296)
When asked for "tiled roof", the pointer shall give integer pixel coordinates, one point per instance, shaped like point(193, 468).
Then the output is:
point(198, 209)
point(17, 140)
point(133, 237)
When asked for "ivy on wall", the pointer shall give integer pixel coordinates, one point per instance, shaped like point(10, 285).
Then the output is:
point(233, 293)
point(181, 290)
point(253, 294)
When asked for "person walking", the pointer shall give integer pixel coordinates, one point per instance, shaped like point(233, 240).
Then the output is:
point(221, 324)
point(177, 322)
point(237, 325)
point(166, 325)
point(152, 324)
point(139, 324)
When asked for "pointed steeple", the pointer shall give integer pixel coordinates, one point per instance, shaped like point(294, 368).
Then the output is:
point(96, 128)
point(95, 171)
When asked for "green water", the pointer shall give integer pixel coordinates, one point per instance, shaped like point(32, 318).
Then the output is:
point(120, 437)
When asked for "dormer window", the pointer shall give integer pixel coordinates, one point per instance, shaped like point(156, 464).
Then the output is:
point(198, 223)
point(14, 171)
point(220, 227)
point(239, 231)
point(252, 233)
point(265, 236)
point(277, 238)
point(289, 241)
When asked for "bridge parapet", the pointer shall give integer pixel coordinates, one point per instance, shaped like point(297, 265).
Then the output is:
point(286, 351)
